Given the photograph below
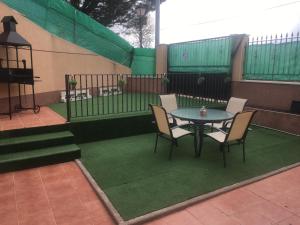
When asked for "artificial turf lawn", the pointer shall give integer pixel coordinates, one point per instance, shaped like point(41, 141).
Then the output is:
point(137, 181)
point(116, 105)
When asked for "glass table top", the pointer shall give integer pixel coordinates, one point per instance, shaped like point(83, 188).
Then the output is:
point(193, 114)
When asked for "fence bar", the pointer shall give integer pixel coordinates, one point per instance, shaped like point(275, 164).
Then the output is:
point(123, 93)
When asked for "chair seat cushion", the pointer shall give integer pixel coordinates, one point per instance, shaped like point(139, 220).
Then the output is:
point(180, 122)
point(179, 132)
point(219, 125)
point(218, 136)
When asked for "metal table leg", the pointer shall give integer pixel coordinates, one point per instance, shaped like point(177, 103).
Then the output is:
point(198, 138)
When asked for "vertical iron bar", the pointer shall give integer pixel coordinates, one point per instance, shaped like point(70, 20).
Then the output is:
point(107, 86)
point(275, 52)
point(102, 93)
point(75, 100)
point(67, 97)
point(17, 56)
point(118, 93)
point(141, 92)
point(296, 57)
point(92, 93)
point(97, 80)
point(290, 53)
point(112, 93)
point(86, 89)
point(81, 102)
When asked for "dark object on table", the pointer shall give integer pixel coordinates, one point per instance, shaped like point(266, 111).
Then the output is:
point(12, 69)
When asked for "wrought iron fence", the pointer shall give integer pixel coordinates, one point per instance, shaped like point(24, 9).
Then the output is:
point(273, 58)
point(89, 95)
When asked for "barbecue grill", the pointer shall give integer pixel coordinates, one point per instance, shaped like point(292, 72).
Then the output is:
point(15, 52)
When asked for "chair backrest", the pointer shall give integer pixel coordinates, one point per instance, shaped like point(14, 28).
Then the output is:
point(161, 119)
point(169, 102)
point(239, 126)
point(236, 105)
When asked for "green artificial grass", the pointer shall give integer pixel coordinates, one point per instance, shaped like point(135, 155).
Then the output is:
point(137, 181)
point(126, 104)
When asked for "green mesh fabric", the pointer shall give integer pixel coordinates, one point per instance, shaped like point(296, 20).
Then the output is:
point(143, 61)
point(61, 19)
point(206, 56)
point(273, 62)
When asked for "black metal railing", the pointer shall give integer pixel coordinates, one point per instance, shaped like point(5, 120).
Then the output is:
point(102, 95)
point(273, 58)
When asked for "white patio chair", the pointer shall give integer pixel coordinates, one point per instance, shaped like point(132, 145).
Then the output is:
point(169, 103)
point(234, 106)
point(237, 132)
point(164, 130)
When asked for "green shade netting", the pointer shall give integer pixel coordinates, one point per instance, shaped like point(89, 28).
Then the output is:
point(273, 62)
point(144, 61)
point(206, 56)
point(61, 19)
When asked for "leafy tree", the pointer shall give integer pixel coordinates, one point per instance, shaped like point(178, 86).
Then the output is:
point(140, 32)
point(112, 12)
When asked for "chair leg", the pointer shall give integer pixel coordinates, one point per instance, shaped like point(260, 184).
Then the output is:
point(156, 143)
point(176, 143)
point(224, 154)
point(244, 157)
point(171, 150)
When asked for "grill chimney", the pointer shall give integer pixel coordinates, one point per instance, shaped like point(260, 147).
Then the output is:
point(9, 23)
point(10, 35)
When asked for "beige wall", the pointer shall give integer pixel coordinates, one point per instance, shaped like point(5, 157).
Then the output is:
point(54, 57)
point(238, 60)
point(162, 59)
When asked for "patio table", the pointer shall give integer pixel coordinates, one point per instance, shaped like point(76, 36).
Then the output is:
point(193, 115)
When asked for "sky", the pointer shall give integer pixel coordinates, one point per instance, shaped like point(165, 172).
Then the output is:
point(187, 20)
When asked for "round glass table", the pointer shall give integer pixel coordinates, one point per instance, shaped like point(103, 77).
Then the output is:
point(193, 115)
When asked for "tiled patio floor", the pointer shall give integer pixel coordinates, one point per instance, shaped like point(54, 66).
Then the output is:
point(25, 119)
point(60, 195)
point(51, 195)
point(275, 200)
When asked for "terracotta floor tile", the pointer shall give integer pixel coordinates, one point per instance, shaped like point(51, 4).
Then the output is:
point(271, 211)
point(33, 207)
point(97, 210)
point(182, 218)
point(73, 171)
point(59, 190)
point(275, 186)
point(101, 221)
point(80, 222)
point(289, 201)
point(70, 212)
point(156, 222)
point(29, 119)
point(293, 220)
point(26, 176)
point(7, 202)
point(9, 218)
point(250, 218)
point(6, 178)
point(235, 200)
point(42, 218)
point(30, 196)
point(52, 171)
point(86, 194)
point(64, 198)
point(208, 214)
